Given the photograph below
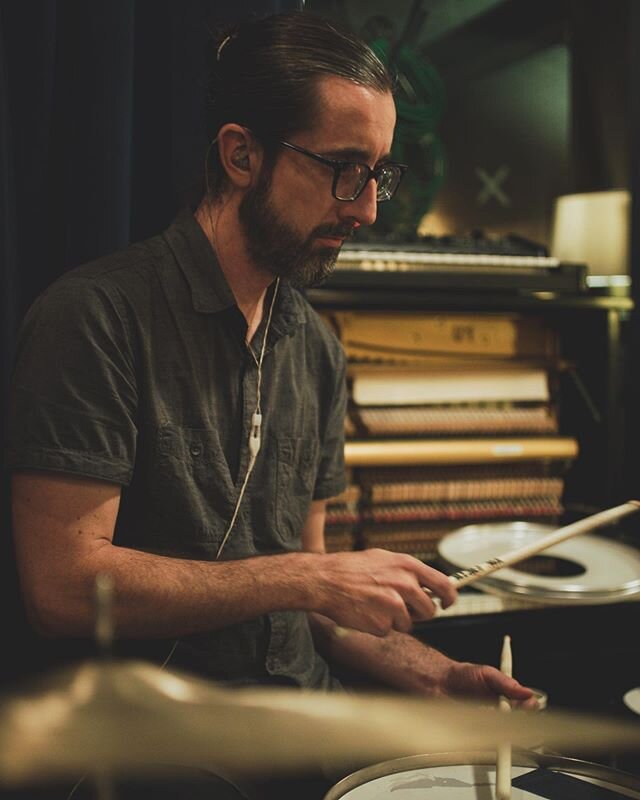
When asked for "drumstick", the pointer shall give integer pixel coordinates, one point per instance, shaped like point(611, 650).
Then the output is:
point(466, 576)
point(503, 762)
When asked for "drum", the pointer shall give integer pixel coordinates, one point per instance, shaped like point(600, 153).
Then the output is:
point(471, 776)
point(586, 570)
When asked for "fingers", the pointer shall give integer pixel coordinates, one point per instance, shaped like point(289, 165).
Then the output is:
point(409, 577)
point(530, 704)
point(402, 618)
point(435, 581)
point(383, 617)
point(505, 685)
point(397, 614)
point(520, 696)
point(377, 591)
point(480, 680)
point(419, 604)
point(501, 684)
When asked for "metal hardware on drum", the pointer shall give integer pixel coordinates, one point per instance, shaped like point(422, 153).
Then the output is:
point(541, 698)
point(631, 700)
point(470, 775)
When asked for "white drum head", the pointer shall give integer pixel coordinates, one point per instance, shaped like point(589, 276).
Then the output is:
point(458, 782)
point(453, 777)
point(586, 569)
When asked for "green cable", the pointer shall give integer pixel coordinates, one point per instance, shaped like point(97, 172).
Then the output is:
point(420, 102)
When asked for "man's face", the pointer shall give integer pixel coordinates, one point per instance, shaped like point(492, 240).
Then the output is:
point(276, 245)
point(294, 227)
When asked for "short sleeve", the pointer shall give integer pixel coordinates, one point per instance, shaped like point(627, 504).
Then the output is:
point(331, 478)
point(73, 399)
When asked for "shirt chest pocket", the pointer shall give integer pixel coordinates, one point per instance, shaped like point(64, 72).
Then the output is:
point(192, 485)
point(295, 477)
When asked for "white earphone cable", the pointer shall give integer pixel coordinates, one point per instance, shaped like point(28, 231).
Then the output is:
point(256, 418)
point(256, 423)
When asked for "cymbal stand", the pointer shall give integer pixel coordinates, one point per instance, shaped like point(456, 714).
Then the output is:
point(104, 628)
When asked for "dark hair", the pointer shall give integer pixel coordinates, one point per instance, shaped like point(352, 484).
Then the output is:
point(263, 75)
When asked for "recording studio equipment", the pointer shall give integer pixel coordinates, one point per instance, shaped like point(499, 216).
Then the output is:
point(475, 263)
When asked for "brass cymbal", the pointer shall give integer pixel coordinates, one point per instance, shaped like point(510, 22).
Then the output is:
point(134, 718)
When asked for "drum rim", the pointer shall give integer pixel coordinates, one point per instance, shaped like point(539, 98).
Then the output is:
point(520, 758)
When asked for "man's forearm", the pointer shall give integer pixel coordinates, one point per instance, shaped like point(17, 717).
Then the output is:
point(157, 596)
point(63, 530)
point(398, 660)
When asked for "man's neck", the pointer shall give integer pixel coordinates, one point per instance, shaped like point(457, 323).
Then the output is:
point(249, 285)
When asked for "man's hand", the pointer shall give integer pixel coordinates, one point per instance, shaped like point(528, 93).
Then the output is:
point(481, 681)
point(403, 662)
point(376, 591)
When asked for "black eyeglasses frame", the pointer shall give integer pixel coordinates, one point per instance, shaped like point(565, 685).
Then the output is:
point(338, 165)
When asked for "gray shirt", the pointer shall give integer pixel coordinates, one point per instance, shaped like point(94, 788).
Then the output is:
point(134, 369)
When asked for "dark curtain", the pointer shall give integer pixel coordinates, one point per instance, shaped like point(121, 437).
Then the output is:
point(600, 41)
point(101, 137)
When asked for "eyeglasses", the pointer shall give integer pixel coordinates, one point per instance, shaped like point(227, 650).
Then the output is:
point(350, 177)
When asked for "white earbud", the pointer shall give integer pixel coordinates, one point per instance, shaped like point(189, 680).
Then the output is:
point(254, 436)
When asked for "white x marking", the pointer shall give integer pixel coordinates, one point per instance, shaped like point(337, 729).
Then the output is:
point(491, 187)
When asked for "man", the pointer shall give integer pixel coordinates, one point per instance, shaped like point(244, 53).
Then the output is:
point(178, 408)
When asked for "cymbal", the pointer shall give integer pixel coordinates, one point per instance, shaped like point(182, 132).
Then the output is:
point(133, 718)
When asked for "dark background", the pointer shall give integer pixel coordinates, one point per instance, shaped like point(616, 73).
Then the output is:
point(101, 139)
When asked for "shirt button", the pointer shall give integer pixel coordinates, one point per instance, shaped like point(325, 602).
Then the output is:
point(195, 449)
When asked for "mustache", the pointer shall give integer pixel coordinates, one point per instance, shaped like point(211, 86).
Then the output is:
point(334, 231)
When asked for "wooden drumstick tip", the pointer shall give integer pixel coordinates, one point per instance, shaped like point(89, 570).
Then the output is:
point(506, 658)
point(503, 761)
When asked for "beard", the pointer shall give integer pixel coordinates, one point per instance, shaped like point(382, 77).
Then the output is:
point(275, 246)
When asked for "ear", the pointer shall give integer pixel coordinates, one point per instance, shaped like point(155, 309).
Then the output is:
point(239, 153)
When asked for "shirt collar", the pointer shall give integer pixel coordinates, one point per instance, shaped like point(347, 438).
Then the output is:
point(210, 292)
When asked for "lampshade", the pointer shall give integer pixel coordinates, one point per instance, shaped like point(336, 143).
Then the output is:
point(593, 229)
